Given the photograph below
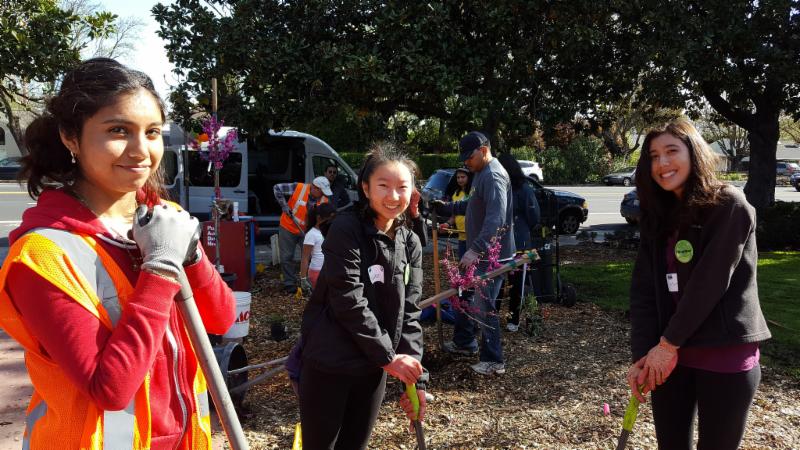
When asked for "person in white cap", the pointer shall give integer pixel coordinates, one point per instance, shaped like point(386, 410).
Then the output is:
point(301, 197)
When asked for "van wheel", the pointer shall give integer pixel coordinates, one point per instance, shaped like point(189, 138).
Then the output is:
point(626, 182)
point(568, 223)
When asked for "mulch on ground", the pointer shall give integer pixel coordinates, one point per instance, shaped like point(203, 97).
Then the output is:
point(551, 396)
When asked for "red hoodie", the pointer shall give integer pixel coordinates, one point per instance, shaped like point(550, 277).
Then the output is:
point(109, 366)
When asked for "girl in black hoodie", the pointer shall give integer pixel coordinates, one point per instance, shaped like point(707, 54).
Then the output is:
point(362, 321)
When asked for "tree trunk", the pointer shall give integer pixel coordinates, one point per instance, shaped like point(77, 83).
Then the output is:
point(490, 125)
point(611, 144)
point(13, 125)
point(763, 138)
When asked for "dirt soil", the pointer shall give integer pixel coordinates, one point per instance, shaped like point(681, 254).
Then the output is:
point(551, 396)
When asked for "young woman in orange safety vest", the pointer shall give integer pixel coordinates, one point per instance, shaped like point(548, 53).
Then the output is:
point(88, 291)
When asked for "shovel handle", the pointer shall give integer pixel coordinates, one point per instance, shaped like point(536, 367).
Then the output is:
point(411, 391)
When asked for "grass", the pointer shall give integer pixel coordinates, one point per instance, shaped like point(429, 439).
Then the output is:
point(607, 284)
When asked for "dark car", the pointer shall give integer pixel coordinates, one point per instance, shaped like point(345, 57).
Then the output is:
point(795, 180)
point(566, 209)
point(629, 208)
point(624, 177)
point(9, 168)
point(783, 168)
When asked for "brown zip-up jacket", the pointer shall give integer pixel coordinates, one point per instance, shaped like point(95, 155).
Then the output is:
point(718, 292)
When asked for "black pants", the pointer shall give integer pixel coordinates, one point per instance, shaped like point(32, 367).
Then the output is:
point(721, 401)
point(339, 411)
point(515, 293)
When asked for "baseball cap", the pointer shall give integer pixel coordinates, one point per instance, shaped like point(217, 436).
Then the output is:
point(471, 142)
point(323, 184)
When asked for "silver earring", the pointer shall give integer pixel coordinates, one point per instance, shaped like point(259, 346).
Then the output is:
point(73, 157)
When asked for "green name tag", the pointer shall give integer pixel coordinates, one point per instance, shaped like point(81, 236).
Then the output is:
point(684, 251)
point(406, 273)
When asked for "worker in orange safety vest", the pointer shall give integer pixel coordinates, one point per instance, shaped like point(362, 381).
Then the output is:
point(302, 197)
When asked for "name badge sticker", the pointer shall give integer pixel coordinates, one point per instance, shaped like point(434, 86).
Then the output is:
point(684, 251)
point(375, 273)
point(406, 273)
point(672, 282)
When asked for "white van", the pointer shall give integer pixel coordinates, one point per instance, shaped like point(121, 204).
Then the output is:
point(250, 172)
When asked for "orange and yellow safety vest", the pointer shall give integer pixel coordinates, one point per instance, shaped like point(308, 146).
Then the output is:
point(298, 205)
point(59, 415)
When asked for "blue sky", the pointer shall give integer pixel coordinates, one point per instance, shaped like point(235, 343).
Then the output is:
point(149, 56)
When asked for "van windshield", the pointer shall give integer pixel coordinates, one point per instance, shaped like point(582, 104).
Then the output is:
point(200, 175)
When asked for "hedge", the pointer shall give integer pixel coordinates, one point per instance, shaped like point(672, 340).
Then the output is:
point(353, 159)
point(428, 163)
point(777, 227)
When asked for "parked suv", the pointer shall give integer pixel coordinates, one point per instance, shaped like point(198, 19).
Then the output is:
point(558, 208)
point(9, 168)
point(532, 169)
point(629, 207)
point(786, 168)
point(795, 181)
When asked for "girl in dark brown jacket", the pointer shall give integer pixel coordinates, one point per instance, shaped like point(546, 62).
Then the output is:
point(696, 322)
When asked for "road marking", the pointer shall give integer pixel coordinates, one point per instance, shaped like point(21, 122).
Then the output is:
point(13, 193)
point(13, 222)
point(605, 214)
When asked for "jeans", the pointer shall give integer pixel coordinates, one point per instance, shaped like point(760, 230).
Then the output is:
point(481, 307)
point(462, 248)
point(287, 242)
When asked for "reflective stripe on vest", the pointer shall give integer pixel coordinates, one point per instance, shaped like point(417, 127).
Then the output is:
point(30, 420)
point(300, 201)
point(90, 266)
point(118, 426)
point(202, 404)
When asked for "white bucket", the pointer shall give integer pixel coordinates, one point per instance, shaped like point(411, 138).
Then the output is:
point(241, 327)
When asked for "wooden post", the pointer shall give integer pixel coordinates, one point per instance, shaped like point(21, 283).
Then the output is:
point(217, 194)
point(436, 282)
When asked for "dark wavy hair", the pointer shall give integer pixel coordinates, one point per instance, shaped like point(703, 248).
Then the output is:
point(453, 187)
point(89, 87)
point(379, 154)
point(320, 213)
point(513, 169)
point(662, 211)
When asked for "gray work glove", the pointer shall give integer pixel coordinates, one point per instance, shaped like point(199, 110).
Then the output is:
point(471, 257)
point(305, 285)
point(165, 239)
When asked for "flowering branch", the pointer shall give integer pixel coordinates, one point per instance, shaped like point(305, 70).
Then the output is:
point(216, 150)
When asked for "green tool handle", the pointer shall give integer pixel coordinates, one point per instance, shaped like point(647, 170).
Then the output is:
point(411, 391)
point(631, 412)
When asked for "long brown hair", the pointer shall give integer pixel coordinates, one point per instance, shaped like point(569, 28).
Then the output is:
point(662, 211)
point(89, 87)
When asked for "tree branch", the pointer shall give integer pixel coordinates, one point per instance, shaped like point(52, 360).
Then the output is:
point(723, 107)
